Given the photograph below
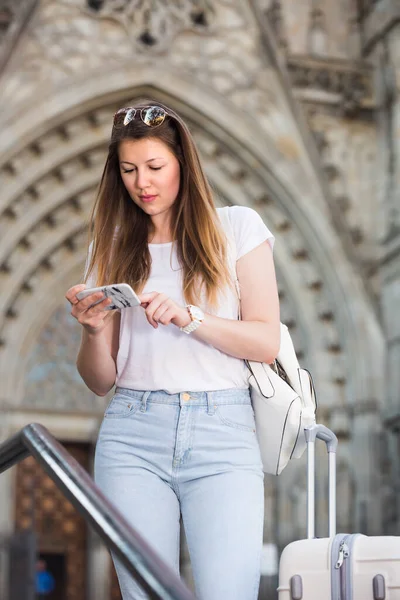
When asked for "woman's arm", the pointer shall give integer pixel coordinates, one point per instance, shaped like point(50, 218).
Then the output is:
point(97, 355)
point(257, 335)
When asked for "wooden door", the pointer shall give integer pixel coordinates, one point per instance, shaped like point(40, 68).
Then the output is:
point(61, 531)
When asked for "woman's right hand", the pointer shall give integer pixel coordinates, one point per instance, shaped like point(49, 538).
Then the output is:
point(93, 319)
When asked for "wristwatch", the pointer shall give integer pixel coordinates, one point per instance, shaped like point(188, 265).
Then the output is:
point(197, 316)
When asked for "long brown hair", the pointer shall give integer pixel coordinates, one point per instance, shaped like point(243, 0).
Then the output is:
point(120, 229)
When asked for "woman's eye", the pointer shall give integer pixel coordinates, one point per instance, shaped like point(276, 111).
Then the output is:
point(155, 168)
point(128, 170)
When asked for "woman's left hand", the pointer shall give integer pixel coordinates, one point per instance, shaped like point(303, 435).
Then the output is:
point(159, 308)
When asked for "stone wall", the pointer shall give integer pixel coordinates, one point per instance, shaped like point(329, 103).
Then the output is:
point(282, 100)
point(381, 43)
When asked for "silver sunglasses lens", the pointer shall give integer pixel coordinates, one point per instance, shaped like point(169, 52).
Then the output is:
point(129, 116)
point(153, 116)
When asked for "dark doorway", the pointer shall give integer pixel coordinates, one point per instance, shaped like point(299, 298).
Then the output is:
point(61, 531)
point(55, 564)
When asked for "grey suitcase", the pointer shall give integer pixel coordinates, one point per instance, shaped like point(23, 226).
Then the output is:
point(343, 566)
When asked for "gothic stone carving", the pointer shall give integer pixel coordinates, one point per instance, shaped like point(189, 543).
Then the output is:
point(68, 40)
point(348, 156)
point(274, 14)
point(365, 7)
point(153, 23)
point(350, 83)
point(13, 18)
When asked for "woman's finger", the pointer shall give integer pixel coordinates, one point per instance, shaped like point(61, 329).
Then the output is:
point(147, 297)
point(85, 314)
point(158, 314)
point(71, 293)
point(151, 322)
point(100, 306)
point(167, 316)
point(154, 306)
point(88, 302)
point(92, 320)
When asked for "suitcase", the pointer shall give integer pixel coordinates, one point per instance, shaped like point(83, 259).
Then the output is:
point(343, 566)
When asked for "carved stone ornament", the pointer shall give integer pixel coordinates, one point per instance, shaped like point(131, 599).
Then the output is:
point(153, 23)
point(6, 18)
point(275, 16)
point(365, 7)
point(13, 18)
point(350, 83)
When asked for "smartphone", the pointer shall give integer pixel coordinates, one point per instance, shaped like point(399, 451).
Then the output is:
point(121, 294)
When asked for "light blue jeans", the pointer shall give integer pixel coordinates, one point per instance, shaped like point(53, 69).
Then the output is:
point(195, 454)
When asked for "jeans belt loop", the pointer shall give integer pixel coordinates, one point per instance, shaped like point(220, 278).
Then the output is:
point(144, 401)
point(210, 404)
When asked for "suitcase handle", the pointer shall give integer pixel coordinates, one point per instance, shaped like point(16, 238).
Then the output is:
point(326, 435)
point(323, 433)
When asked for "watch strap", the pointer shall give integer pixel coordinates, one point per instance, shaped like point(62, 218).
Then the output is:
point(193, 325)
point(196, 322)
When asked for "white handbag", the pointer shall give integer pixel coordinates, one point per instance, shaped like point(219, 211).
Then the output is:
point(282, 394)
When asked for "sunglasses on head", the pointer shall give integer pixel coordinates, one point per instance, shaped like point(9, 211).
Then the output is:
point(152, 116)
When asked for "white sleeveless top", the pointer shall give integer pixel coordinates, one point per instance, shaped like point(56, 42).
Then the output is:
point(166, 358)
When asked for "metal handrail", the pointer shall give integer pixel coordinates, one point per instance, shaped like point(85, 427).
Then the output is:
point(156, 578)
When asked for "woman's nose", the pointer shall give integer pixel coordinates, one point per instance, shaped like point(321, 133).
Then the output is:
point(142, 180)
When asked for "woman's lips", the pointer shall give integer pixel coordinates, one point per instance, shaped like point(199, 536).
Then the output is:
point(147, 198)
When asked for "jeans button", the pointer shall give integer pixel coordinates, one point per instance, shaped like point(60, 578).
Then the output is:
point(186, 396)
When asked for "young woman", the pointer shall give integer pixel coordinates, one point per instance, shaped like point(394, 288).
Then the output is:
point(178, 437)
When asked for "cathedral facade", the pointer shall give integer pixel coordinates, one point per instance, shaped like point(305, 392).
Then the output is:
point(295, 108)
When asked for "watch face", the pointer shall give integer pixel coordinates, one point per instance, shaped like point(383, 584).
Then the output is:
point(196, 313)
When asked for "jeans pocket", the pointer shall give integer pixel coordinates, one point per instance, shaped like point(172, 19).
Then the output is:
point(121, 407)
point(237, 416)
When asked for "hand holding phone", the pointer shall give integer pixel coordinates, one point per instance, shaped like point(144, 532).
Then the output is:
point(121, 294)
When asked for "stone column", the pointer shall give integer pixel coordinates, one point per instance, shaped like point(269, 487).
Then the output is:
point(364, 447)
point(390, 269)
point(382, 42)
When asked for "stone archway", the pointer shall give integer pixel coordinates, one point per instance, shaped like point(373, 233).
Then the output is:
point(50, 176)
point(69, 164)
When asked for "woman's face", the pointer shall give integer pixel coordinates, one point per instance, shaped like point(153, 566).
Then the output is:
point(151, 174)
